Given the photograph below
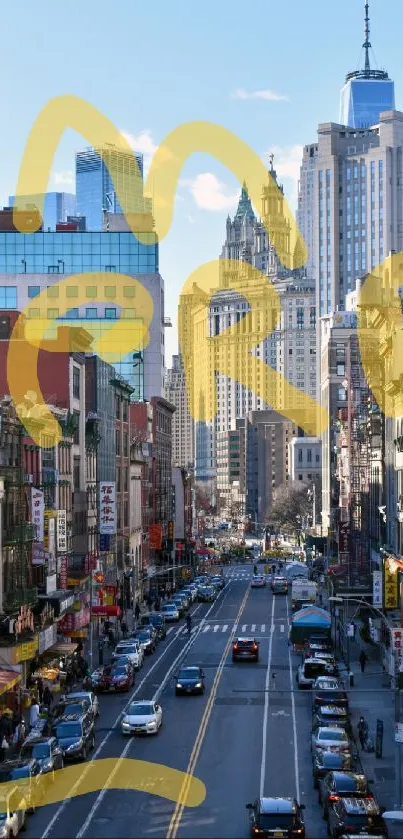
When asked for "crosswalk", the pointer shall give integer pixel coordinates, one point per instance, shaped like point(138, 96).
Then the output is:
point(238, 575)
point(221, 628)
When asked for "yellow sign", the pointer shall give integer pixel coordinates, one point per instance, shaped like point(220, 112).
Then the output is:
point(390, 585)
point(26, 651)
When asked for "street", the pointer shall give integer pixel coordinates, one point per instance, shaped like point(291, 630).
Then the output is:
point(248, 735)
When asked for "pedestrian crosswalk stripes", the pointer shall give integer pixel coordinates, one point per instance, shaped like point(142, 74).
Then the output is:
point(236, 629)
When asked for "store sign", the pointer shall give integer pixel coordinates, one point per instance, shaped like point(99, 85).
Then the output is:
point(390, 586)
point(107, 508)
point(49, 531)
point(24, 652)
point(38, 512)
point(47, 638)
point(38, 554)
point(51, 583)
point(397, 646)
point(377, 589)
point(155, 532)
point(63, 575)
point(61, 531)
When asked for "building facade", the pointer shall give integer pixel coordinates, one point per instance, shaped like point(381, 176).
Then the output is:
point(57, 207)
point(305, 459)
point(182, 422)
point(268, 436)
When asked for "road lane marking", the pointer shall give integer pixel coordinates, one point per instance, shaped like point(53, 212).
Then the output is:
point(244, 627)
point(282, 627)
point(225, 627)
point(266, 703)
point(170, 629)
point(235, 627)
point(216, 628)
point(263, 628)
point(180, 656)
point(178, 813)
point(253, 627)
point(206, 628)
point(294, 720)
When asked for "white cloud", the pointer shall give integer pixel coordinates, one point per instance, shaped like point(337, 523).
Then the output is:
point(211, 194)
point(267, 95)
point(190, 219)
point(287, 163)
point(65, 178)
point(145, 143)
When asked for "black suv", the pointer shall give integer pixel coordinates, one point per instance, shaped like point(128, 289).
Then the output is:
point(337, 785)
point(27, 773)
point(46, 751)
point(78, 707)
point(324, 762)
point(280, 817)
point(76, 736)
point(355, 815)
point(245, 649)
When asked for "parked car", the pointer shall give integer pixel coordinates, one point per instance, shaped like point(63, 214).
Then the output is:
point(280, 817)
point(328, 657)
point(332, 715)
point(336, 785)
point(147, 641)
point(88, 696)
point(79, 707)
point(27, 772)
point(116, 678)
point(132, 649)
point(170, 612)
point(206, 594)
point(155, 619)
point(218, 582)
point(309, 671)
point(327, 761)
point(46, 751)
point(328, 738)
point(348, 816)
point(76, 737)
point(329, 691)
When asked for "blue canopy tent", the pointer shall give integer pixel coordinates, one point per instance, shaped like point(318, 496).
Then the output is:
point(310, 621)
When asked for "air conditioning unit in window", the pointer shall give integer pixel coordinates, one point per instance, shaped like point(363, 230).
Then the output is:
point(28, 479)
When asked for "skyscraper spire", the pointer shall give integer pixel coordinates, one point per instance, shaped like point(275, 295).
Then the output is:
point(367, 43)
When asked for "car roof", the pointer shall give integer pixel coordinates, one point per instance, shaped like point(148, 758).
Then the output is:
point(327, 757)
point(332, 709)
point(331, 728)
point(243, 639)
point(69, 718)
point(277, 805)
point(190, 667)
point(34, 738)
point(340, 776)
point(360, 806)
point(142, 702)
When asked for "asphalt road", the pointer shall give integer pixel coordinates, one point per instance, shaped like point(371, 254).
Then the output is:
point(248, 735)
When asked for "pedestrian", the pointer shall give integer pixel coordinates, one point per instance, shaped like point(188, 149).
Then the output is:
point(363, 660)
point(101, 644)
point(123, 627)
point(106, 626)
point(362, 731)
point(47, 698)
point(137, 610)
point(80, 647)
point(33, 714)
point(39, 685)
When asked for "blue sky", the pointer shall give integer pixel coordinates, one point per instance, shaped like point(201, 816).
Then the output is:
point(150, 67)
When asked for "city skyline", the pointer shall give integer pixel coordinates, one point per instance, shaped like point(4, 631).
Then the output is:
point(249, 94)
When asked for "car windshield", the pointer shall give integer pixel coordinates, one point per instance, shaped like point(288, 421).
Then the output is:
point(334, 736)
point(189, 673)
point(356, 783)
point(269, 821)
point(312, 669)
point(118, 671)
point(127, 650)
point(170, 608)
point(68, 729)
point(73, 708)
point(141, 710)
point(37, 750)
point(143, 636)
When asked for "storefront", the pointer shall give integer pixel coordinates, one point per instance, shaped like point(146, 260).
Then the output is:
point(10, 693)
point(53, 665)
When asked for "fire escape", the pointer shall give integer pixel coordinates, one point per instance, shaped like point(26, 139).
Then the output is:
point(359, 465)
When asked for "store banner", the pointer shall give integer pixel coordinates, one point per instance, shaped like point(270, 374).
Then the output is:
point(38, 554)
point(390, 585)
point(63, 573)
point(49, 531)
point(38, 512)
point(377, 589)
point(61, 531)
point(47, 638)
point(107, 508)
point(397, 646)
point(155, 533)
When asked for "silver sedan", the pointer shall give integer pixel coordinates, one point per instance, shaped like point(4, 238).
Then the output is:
point(330, 738)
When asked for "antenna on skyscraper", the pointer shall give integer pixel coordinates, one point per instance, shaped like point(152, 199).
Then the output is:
point(367, 42)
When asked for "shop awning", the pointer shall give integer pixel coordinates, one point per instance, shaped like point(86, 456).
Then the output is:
point(109, 611)
point(61, 649)
point(8, 680)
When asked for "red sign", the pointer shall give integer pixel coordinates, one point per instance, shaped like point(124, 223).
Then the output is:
point(155, 533)
point(90, 563)
point(106, 610)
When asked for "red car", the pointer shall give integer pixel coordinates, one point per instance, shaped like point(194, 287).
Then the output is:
point(116, 677)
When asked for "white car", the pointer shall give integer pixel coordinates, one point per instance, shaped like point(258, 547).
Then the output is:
point(12, 815)
point(142, 717)
point(258, 581)
point(190, 593)
point(86, 695)
point(330, 739)
point(170, 612)
point(133, 650)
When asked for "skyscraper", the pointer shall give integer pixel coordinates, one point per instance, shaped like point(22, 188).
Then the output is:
point(182, 422)
point(56, 208)
point(367, 92)
point(98, 170)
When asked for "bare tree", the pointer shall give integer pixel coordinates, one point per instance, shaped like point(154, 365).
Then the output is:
point(294, 503)
point(138, 436)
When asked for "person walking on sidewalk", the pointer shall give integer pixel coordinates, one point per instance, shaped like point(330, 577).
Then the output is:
point(362, 732)
point(33, 714)
point(363, 661)
point(123, 627)
point(47, 698)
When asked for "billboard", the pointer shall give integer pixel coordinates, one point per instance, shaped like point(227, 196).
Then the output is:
point(62, 531)
point(38, 512)
point(107, 508)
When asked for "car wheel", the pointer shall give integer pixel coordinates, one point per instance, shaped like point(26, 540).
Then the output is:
point(84, 753)
point(31, 811)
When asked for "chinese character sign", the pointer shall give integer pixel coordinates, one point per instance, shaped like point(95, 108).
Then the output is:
point(49, 535)
point(37, 512)
point(63, 572)
point(61, 531)
point(107, 508)
point(397, 640)
point(377, 592)
point(390, 585)
point(155, 532)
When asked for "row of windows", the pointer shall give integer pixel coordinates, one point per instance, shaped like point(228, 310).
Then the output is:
point(78, 240)
point(109, 292)
point(74, 314)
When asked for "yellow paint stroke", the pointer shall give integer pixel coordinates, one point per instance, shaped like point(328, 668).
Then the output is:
point(109, 773)
point(29, 335)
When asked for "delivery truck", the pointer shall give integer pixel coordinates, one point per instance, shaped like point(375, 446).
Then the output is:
point(303, 592)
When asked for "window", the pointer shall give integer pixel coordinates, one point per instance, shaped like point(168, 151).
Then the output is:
point(309, 455)
point(91, 291)
point(117, 406)
point(126, 514)
point(33, 291)
point(341, 368)
point(8, 297)
point(342, 394)
point(72, 291)
point(125, 410)
point(300, 477)
point(72, 313)
point(118, 447)
point(300, 456)
point(52, 291)
point(76, 382)
point(110, 291)
point(52, 314)
point(129, 291)
point(110, 314)
point(126, 479)
point(34, 313)
point(76, 433)
point(125, 444)
point(91, 313)
point(129, 313)
point(76, 473)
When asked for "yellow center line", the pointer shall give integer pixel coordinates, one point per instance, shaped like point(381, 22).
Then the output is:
point(180, 806)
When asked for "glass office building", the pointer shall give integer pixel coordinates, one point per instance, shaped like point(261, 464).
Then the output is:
point(363, 99)
point(98, 176)
point(57, 207)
